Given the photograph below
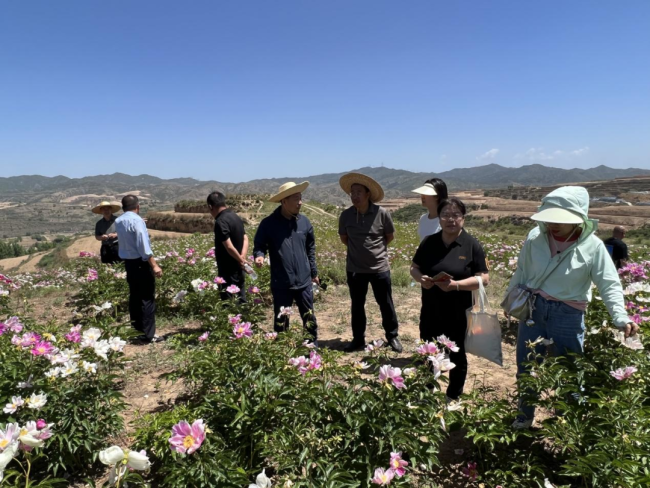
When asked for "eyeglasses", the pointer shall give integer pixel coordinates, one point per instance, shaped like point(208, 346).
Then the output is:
point(449, 217)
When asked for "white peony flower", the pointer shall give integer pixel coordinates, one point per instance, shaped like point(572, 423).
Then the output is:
point(36, 402)
point(114, 456)
point(101, 348)
point(116, 344)
point(262, 481)
point(89, 367)
point(53, 373)
point(6, 456)
point(69, 369)
point(16, 403)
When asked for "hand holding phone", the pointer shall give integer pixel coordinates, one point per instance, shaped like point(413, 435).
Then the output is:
point(442, 276)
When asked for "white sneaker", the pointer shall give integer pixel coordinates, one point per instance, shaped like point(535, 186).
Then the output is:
point(522, 423)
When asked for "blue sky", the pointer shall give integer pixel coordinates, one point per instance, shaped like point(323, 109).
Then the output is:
point(236, 90)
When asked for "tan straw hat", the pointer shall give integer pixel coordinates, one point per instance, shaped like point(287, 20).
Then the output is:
point(427, 189)
point(288, 189)
point(376, 191)
point(114, 207)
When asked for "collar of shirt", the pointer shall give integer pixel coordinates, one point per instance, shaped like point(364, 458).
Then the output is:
point(372, 208)
point(459, 241)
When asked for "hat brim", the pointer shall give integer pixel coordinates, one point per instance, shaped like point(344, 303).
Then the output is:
point(425, 190)
point(277, 198)
point(557, 216)
point(114, 208)
point(376, 191)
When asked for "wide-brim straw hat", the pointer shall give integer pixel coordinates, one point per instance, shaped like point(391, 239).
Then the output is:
point(114, 207)
point(427, 189)
point(376, 191)
point(288, 189)
point(556, 215)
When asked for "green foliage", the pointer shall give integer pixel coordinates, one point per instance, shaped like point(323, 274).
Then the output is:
point(409, 213)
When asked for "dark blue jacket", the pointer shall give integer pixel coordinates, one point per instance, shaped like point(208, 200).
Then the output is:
point(291, 247)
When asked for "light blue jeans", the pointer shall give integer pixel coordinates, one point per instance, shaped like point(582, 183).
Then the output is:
point(553, 320)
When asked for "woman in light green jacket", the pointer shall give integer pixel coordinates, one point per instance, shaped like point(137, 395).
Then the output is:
point(564, 234)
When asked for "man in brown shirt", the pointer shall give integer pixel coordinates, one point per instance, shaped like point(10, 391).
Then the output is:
point(367, 229)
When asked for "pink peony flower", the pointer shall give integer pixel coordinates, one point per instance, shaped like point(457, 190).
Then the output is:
point(92, 275)
point(210, 253)
point(243, 330)
point(470, 471)
point(382, 477)
point(389, 374)
point(14, 325)
point(253, 289)
point(234, 319)
point(219, 280)
point(233, 289)
point(41, 424)
point(315, 361)
point(187, 438)
point(397, 464)
point(271, 336)
point(622, 374)
point(42, 348)
point(428, 349)
point(449, 344)
point(204, 337)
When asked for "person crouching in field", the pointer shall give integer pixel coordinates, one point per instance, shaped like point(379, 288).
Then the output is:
point(559, 260)
point(288, 237)
point(141, 268)
point(432, 193)
point(366, 229)
point(448, 265)
point(230, 245)
point(105, 232)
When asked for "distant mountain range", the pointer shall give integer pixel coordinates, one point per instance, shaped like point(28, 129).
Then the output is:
point(324, 187)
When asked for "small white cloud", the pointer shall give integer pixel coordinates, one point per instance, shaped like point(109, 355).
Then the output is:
point(491, 154)
point(581, 151)
point(538, 154)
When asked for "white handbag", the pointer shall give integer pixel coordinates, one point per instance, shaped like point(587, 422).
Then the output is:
point(483, 336)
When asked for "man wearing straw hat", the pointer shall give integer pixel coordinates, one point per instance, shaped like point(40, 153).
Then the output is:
point(288, 237)
point(367, 229)
point(105, 231)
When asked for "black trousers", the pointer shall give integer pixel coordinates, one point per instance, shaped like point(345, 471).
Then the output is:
point(109, 254)
point(304, 298)
point(142, 296)
point(453, 324)
point(382, 289)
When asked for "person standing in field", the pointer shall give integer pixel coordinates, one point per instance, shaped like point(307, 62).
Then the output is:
point(105, 232)
point(461, 258)
point(431, 193)
point(366, 229)
point(616, 248)
point(230, 245)
point(288, 237)
point(141, 268)
point(558, 262)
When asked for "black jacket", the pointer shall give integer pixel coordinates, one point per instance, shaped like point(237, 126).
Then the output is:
point(291, 247)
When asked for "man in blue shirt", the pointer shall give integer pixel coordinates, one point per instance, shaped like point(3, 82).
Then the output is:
point(289, 239)
point(141, 268)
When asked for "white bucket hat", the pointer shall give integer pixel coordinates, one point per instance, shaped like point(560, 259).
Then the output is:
point(288, 189)
point(556, 215)
point(427, 189)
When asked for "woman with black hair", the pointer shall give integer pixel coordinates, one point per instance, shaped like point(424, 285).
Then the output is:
point(432, 193)
point(448, 265)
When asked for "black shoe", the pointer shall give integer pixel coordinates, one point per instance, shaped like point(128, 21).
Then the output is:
point(154, 339)
point(139, 339)
point(395, 344)
point(355, 346)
